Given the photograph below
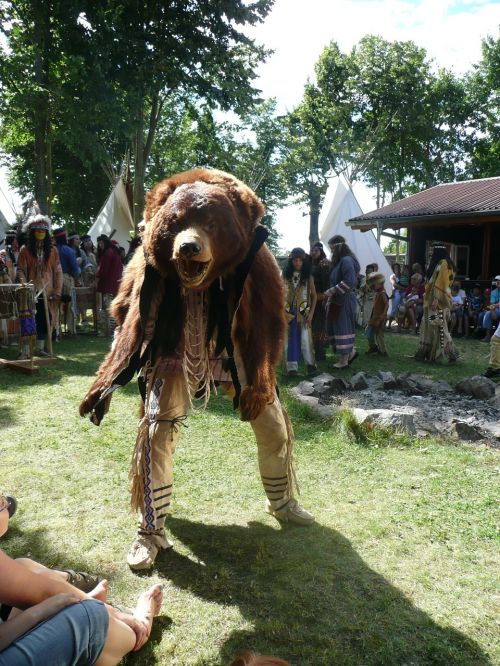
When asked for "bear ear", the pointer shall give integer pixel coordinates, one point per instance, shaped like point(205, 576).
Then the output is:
point(157, 197)
point(247, 202)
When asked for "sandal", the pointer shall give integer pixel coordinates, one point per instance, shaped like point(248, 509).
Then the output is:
point(81, 580)
point(12, 505)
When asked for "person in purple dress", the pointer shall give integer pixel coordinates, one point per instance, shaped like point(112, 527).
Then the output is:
point(342, 300)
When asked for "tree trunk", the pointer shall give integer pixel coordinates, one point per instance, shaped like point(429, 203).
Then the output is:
point(314, 208)
point(142, 152)
point(41, 105)
point(139, 170)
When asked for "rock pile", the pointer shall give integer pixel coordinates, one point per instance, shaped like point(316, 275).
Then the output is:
point(410, 402)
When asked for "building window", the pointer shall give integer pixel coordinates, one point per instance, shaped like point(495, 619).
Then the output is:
point(459, 255)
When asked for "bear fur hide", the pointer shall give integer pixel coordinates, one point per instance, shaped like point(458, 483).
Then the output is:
point(201, 232)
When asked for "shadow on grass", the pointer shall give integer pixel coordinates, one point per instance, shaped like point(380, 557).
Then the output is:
point(8, 415)
point(310, 598)
point(78, 357)
point(34, 543)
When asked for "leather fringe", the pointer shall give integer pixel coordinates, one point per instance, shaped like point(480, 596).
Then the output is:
point(137, 471)
point(290, 467)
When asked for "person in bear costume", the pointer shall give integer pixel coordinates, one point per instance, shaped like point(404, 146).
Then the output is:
point(202, 303)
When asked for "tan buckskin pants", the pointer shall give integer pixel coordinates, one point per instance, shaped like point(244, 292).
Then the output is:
point(166, 407)
point(379, 339)
point(494, 352)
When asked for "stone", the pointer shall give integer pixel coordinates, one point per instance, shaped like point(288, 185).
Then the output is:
point(418, 385)
point(339, 385)
point(430, 386)
point(465, 432)
point(308, 400)
point(326, 411)
point(359, 381)
point(478, 386)
point(387, 418)
point(406, 383)
point(323, 378)
point(388, 379)
point(464, 386)
point(495, 401)
point(492, 428)
point(303, 388)
point(398, 421)
point(323, 389)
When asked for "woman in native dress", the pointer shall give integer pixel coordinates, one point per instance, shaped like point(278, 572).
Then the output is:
point(38, 262)
point(435, 338)
point(321, 276)
point(342, 300)
point(300, 304)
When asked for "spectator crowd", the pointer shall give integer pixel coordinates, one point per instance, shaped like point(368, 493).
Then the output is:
point(67, 272)
point(327, 298)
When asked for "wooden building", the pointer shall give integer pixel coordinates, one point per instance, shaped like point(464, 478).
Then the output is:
point(465, 216)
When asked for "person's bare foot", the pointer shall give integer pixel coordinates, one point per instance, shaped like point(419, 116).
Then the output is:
point(100, 591)
point(149, 604)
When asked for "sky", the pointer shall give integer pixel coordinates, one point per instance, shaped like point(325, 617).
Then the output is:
point(298, 30)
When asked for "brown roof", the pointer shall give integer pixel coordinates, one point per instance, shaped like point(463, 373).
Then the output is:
point(468, 197)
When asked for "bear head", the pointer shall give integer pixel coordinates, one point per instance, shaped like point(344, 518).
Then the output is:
point(200, 225)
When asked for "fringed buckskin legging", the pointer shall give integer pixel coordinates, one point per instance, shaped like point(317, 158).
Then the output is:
point(167, 403)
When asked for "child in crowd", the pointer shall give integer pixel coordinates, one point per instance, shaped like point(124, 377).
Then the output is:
point(491, 314)
point(476, 306)
point(365, 297)
point(404, 280)
point(375, 329)
point(412, 304)
point(300, 303)
point(457, 311)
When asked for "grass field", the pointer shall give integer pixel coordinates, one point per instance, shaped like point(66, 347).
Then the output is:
point(401, 567)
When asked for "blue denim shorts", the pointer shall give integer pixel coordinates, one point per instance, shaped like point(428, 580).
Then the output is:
point(73, 637)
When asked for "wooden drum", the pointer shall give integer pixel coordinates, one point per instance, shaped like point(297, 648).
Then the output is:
point(15, 298)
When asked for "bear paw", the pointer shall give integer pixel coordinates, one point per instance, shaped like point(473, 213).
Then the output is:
point(252, 402)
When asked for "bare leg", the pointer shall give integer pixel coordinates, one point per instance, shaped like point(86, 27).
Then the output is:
point(121, 638)
point(99, 592)
point(411, 319)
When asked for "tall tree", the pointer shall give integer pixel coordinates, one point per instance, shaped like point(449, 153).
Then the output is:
point(382, 114)
point(249, 147)
point(161, 47)
point(304, 166)
point(81, 79)
point(61, 116)
point(483, 87)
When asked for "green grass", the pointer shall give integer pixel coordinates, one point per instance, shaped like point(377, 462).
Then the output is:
point(400, 567)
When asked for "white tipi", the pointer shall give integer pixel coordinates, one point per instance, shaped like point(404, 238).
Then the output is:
point(114, 216)
point(339, 206)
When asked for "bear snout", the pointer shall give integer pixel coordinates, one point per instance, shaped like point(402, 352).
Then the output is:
point(192, 244)
point(189, 249)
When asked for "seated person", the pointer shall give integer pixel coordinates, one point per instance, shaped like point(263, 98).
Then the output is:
point(51, 622)
point(475, 309)
point(411, 307)
point(491, 315)
point(457, 311)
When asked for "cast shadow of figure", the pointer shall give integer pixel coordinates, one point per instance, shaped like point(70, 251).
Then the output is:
point(310, 598)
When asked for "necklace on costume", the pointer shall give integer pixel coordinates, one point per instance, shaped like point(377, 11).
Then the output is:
point(196, 360)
